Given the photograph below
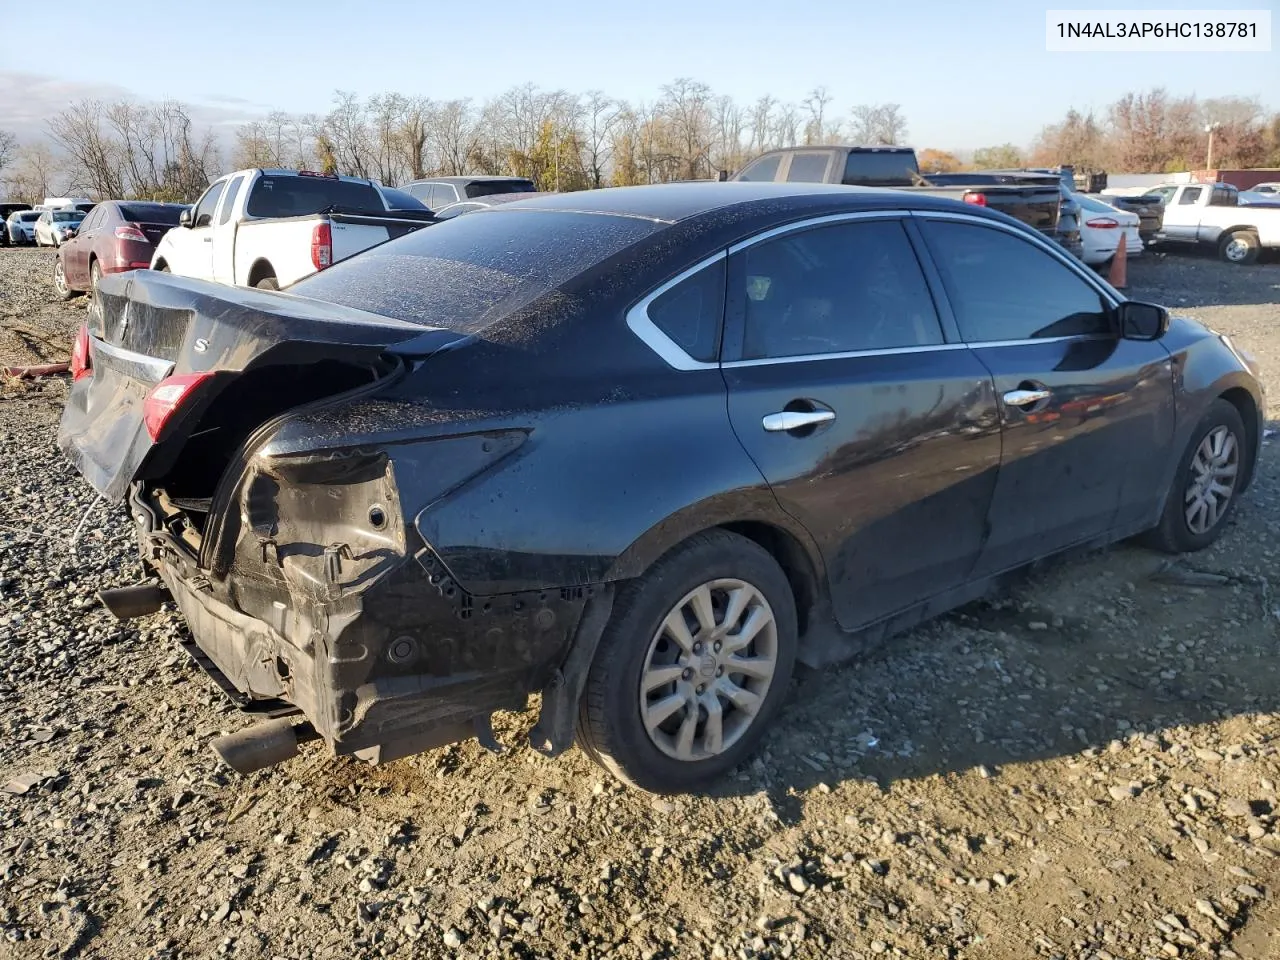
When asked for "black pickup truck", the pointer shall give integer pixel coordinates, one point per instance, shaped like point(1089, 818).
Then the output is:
point(1034, 199)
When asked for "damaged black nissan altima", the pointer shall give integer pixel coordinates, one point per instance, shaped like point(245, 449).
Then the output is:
point(636, 450)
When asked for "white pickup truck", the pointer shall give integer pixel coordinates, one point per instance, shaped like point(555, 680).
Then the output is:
point(1210, 213)
point(270, 228)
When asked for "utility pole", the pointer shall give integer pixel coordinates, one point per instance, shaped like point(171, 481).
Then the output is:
point(1208, 162)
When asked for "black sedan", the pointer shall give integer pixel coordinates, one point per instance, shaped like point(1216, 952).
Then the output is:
point(636, 450)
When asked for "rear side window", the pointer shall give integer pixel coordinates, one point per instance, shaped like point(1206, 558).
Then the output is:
point(765, 169)
point(1003, 287)
point(291, 196)
point(1190, 195)
point(1223, 197)
point(233, 194)
point(442, 194)
point(835, 289)
point(808, 168)
point(691, 313)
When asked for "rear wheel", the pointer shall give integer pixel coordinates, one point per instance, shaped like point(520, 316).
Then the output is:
point(692, 667)
point(60, 281)
point(1204, 489)
point(162, 268)
point(1239, 246)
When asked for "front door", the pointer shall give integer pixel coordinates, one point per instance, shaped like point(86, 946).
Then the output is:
point(224, 229)
point(873, 431)
point(1088, 417)
point(191, 248)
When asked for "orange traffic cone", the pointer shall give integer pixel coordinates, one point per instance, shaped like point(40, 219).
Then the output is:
point(1118, 277)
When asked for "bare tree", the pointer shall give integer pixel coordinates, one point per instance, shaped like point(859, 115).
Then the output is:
point(815, 128)
point(8, 148)
point(94, 156)
point(30, 176)
point(761, 124)
point(602, 113)
point(878, 124)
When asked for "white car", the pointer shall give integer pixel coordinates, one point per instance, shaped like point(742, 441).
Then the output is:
point(22, 226)
point(54, 226)
point(1101, 226)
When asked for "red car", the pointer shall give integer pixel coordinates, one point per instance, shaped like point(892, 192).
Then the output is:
point(117, 235)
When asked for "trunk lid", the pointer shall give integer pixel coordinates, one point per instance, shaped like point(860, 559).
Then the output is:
point(151, 326)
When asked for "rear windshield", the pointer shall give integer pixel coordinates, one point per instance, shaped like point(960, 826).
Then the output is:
point(876, 168)
point(29, 216)
point(467, 272)
point(302, 196)
point(485, 188)
point(151, 212)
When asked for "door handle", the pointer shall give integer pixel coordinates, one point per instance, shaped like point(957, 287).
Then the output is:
point(1025, 398)
point(787, 420)
point(208, 239)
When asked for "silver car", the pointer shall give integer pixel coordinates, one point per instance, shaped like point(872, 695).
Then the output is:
point(54, 226)
point(22, 226)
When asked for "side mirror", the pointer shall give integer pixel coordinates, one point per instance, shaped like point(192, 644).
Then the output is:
point(1142, 321)
point(184, 218)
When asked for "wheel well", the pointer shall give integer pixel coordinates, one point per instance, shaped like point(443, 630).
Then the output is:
point(260, 271)
point(1242, 400)
point(792, 557)
point(1246, 228)
point(160, 265)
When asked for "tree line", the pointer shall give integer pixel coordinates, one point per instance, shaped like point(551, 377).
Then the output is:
point(568, 141)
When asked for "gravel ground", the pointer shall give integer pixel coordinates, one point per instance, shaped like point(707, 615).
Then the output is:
point(1087, 768)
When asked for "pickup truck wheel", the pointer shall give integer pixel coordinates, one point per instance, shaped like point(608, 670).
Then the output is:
point(1203, 492)
point(163, 268)
point(268, 283)
point(1239, 246)
point(692, 667)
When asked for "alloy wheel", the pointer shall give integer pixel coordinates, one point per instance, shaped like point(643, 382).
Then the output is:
point(1213, 479)
point(708, 669)
point(1236, 250)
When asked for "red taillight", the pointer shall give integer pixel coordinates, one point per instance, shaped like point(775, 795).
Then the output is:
point(977, 199)
point(81, 364)
point(166, 397)
point(131, 231)
point(1102, 223)
point(321, 245)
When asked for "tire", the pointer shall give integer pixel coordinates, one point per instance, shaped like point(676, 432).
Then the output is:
point(95, 274)
point(635, 643)
point(60, 287)
point(163, 268)
point(1240, 247)
point(1175, 532)
point(268, 283)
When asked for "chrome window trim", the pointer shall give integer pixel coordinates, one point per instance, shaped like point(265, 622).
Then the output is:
point(1055, 250)
point(666, 348)
point(818, 222)
point(657, 341)
point(153, 369)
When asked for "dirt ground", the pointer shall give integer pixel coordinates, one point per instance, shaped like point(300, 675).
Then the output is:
point(1087, 768)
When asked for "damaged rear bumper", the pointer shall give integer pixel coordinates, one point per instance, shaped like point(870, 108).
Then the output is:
point(398, 662)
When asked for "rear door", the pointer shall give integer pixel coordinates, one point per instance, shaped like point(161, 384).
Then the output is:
point(1087, 417)
point(874, 431)
point(224, 231)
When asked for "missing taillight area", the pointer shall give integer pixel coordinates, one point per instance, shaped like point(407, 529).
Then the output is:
point(166, 398)
point(81, 362)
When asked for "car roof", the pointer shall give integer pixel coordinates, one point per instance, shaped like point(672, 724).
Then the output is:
point(479, 178)
point(673, 202)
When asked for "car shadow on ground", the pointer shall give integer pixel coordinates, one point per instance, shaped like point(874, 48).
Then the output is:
point(1112, 645)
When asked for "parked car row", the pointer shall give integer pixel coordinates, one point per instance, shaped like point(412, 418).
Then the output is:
point(802, 417)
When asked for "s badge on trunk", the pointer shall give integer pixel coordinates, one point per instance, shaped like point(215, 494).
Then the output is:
point(201, 345)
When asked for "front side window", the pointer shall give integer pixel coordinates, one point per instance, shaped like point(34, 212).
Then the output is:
point(833, 289)
point(208, 203)
point(1003, 287)
point(762, 170)
point(691, 312)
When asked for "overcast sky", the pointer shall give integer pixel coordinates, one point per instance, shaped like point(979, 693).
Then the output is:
point(966, 74)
